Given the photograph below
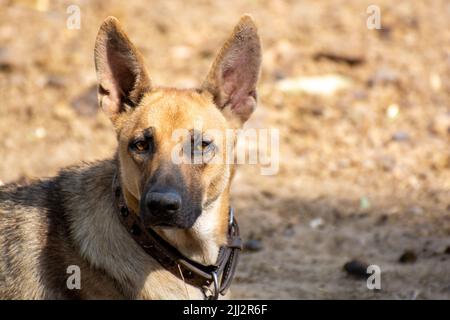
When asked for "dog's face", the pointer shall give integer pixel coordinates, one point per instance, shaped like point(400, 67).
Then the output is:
point(171, 140)
point(163, 130)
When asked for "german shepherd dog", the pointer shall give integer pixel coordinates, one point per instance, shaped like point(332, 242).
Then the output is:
point(72, 219)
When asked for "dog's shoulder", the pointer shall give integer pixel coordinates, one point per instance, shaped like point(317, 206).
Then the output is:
point(36, 233)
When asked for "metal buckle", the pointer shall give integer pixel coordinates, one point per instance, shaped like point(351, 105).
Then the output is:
point(215, 291)
point(231, 216)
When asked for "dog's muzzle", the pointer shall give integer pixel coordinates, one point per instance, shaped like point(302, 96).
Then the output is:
point(163, 207)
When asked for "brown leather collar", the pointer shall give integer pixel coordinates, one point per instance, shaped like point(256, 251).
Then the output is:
point(215, 278)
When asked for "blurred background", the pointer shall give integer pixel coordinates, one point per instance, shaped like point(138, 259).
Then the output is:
point(363, 114)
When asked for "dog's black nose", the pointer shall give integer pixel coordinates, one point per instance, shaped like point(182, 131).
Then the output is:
point(163, 202)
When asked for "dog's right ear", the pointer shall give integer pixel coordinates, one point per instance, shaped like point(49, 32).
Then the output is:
point(122, 77)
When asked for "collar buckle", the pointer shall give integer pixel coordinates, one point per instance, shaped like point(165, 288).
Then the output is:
point(215, 291)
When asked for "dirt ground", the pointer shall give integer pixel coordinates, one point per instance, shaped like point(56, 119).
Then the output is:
point(364, 171)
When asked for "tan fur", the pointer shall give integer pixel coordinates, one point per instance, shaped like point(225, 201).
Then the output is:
point(71, 219)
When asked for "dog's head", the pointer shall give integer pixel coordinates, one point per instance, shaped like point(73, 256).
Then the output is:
point(155, 125)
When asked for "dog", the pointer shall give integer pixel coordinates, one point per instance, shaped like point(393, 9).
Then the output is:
point(78, 220)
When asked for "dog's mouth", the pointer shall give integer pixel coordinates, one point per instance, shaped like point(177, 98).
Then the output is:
point(163, 225)
point(167, 224)
point(175, 222)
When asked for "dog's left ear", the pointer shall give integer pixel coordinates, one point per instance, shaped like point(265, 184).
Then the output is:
point(235, 71)
point(122, 77)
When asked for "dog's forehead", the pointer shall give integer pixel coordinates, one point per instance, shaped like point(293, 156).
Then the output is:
point(167, 110)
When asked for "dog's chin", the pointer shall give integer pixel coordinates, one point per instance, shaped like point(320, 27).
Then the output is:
point(163, 224)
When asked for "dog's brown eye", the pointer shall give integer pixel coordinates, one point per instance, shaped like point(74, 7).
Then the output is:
point(202, 146)
point(141, 146)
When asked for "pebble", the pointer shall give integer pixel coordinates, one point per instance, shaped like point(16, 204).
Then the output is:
point(415, 210)
point(325, 85)
point(383, 219)
point(6, 60)
point(435, 82)
point(356, 268)
point(409, 256)
point(364, 203)
point(56, 81)
point(253, 245)
point(392, 111)
point(181, 52)
point(387, 163)
point(289, 231)
point(40, 133)
point(316, 223)
point(400, 136)
point(383, 76)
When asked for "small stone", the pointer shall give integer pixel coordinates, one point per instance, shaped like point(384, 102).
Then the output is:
point(435, 82)
point(206, 53)
point(440, 124)
point(7, 63)
point(400, 136)
point(316, 223)
point(364, 203)
point(383, 76)
point(268, 194)
point(181, 52)
point(392, 111)
point(253, 245)
point(387, 163)
point(326, 85)
point(55, 81)
point(356, 268)
point(317, 111)
point(350, 58)
point(415, 210)
point(289, 231)
point(409, 256)
point(278, 75)
point(383, 219)
point(40, 133)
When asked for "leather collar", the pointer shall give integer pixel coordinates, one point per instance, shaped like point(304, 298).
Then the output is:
point(211, 279)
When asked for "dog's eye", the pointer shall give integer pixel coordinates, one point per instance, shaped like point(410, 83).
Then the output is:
point(141, 146)
point(203, 145)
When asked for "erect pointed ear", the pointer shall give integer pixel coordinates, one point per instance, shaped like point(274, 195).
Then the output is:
point(235, 71)
point(122, 78)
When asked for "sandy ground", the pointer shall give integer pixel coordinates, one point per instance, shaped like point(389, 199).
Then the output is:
point(364, 172)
